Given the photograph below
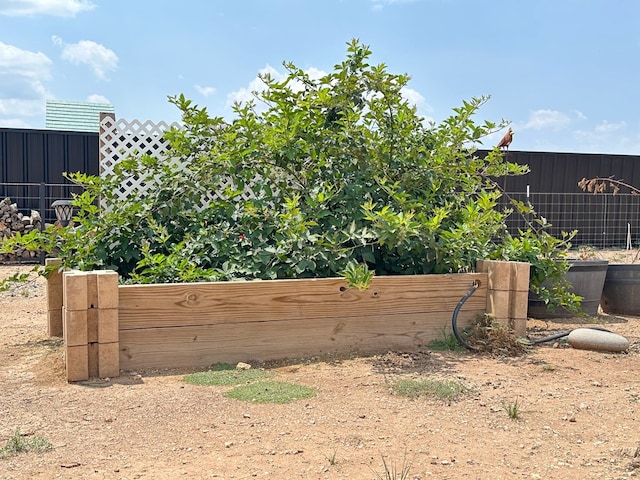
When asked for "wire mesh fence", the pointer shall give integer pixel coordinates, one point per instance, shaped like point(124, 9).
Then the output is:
point(603, 220)
point(38, 196)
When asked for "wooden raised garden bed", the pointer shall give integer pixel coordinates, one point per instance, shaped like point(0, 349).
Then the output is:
point(108, 327)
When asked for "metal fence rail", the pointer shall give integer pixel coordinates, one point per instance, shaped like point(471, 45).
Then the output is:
point(38, 196)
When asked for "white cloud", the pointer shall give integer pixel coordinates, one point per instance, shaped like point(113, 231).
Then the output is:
point(95, 98)
point(257, 85)
point(411, 95)
point(414, 97)
point(205, 91)
point(13, 123)
point(379, 4)
point(22, 91)
point(609, 137)
point(99, 58)
point(579, 115)
point(541, 119)
point(315, 73)
point(422, 107)
point(56, 8)
point(17, 62)
point(607, 128)
point(245, 94)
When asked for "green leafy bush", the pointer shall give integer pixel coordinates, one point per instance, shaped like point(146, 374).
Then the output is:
point(343, 174)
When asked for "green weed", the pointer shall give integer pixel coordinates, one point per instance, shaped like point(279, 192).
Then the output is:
point(448, 342)
point(445, 390)
point(270, 392)
point(18, 443)
point(514, 409)
point(332, 458)
point(225, 374)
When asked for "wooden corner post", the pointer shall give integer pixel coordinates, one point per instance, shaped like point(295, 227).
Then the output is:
point(507, 292)
point(90, 321)
point(54, 298)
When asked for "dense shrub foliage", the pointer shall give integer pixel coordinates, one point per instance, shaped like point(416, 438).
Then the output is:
point(344, 178)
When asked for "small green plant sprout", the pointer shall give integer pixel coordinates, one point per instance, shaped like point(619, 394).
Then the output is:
point(447, 342)
point(332, 459)
point(513, 409)
point(357, 275)
point(391, 472)
point(269, 391)
point(444, 390)
point(20, 443)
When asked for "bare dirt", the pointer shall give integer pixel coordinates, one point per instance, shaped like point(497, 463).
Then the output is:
point(579, 419)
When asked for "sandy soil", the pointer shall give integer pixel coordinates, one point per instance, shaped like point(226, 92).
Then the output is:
point(580, 414)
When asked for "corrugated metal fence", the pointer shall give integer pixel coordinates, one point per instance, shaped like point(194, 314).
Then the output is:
point(32, 163)
point(560, 172)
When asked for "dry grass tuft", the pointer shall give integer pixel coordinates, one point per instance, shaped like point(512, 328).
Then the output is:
point(490, 336)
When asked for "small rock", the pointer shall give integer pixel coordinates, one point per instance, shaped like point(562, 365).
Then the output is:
point(243, 366)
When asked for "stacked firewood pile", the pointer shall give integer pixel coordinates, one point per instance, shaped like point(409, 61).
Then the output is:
point(13, 221)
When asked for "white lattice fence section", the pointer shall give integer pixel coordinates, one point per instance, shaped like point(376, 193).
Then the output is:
point(121, 139)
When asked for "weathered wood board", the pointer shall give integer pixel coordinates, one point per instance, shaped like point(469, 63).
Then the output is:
point(186, 325)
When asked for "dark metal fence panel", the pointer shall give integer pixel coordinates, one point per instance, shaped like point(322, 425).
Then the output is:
point(560, 172)
point(34, 156)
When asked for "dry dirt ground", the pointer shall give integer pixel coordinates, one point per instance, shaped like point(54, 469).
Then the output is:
point(580, 415)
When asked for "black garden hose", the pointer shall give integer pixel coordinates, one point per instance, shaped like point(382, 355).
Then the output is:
point(454, 318)
point(562, 334)
point(462, 342)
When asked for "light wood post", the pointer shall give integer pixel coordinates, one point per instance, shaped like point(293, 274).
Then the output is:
point(54, 298)
point(74, 312)
point(107, 314)
point(507, 292)
point(90, 320)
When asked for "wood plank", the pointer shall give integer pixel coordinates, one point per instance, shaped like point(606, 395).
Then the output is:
point(201, 346)
point(172, 305)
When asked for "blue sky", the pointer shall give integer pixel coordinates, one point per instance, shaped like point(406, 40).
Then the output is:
point(566, 73)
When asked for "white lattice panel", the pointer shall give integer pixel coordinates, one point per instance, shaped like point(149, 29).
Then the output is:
point(120, 139)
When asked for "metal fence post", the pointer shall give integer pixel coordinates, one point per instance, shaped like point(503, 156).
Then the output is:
point(41, 203)
point(42, 198)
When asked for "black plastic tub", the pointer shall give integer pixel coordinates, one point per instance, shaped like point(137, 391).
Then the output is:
point(621, 291)
point(587, 278)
